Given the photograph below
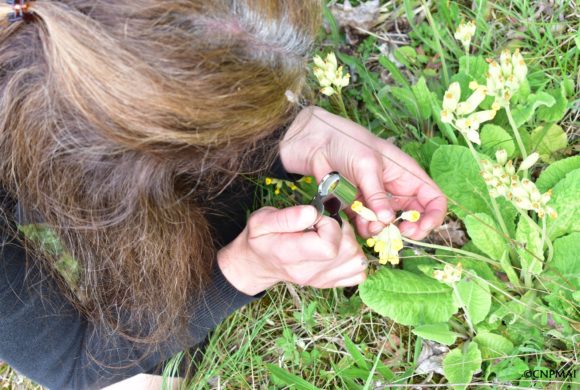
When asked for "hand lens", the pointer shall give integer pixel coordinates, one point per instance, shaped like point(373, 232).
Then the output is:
point(335, 193)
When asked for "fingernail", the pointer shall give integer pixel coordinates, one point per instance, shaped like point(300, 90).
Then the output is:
point(385, 216)
point(375, 228)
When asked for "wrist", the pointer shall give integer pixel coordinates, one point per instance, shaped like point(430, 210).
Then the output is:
point(240, 274)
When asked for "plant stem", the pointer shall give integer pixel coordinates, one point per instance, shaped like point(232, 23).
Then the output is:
point(437, 41)
point(517, 135)
point(450, 249)
point(341, 105)
point(467, 59)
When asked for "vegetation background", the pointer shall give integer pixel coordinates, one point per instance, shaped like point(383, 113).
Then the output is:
point(304, 338)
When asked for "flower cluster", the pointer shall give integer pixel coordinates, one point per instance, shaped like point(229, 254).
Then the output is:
point(461, 114)
point(388, 242)
point(449, 274)
point(505, 78)
point(502, 180)
point(329, 74)
point(278, 183)
point(465, 32)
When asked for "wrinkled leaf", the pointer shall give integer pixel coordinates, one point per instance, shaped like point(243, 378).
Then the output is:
point(459, 366)
point(485, 235)
point(524, 114)
point(566, 202)
point(476, 298)
point(492, 345)
point(548, 139)
point(494, 137)
point(407, 298)
point(556, 172)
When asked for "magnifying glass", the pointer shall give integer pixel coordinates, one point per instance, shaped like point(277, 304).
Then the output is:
point(335, 193)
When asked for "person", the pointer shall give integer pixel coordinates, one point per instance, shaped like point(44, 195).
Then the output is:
point(127, 129)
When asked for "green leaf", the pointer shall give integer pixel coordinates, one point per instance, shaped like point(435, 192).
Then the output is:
point(566, 202)
point(531, 254)
point(356, 355)
point(290, 379)
point(477, 67)
point(548, 139)
point(436, 332)
point(558, 110)
point(456, 172)
point(407, 298)
point(422, 96)
point(406, 55)
point(556, 172)
point(476, 298)
point(492, 345)
point(459, 366)
point(524, 114)
point(485, 235)
point(429, 147)
point(394, 71)
point(494, 137)
point(565, 261)
point(407, 98)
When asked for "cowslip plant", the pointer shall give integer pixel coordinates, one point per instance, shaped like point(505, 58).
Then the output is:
point(498, 295)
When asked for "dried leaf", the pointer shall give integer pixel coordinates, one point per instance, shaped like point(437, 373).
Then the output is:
point(363, 17)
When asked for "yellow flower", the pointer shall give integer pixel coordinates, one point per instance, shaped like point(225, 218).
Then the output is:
point(268, 181)
point(292, 186)
point(450, 274)
point(387, 244)
point(306, 179)
point(364, 212)
point(411, 215)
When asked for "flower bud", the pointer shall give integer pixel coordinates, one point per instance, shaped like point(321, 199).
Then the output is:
point(529, 161)
point(501, 156)
point(452, 96)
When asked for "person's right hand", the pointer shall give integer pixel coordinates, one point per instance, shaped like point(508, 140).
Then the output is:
point(274, 247)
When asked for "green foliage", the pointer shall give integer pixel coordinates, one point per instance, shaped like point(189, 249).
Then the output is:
point(475, 298)
point(493, 346)
point(556, 172)
point(457, 174)
point(566, 202)
point(460, 364)
point(547, 140)
point(526, 112)
point(530, 249)
point(436, 332)
point(407, 298)
point(485, 235)
point(494, 137)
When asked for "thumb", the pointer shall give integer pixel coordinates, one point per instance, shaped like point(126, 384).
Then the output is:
point(270, 220)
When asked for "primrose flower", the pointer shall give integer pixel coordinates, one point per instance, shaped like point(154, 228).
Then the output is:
point(411, 215)
point(464, 33)
point(504, 79)
point(461, 114)
point(501, 180)
point(364, 212)
point(387, 244)
point(449, 274)
point(277, 183)
point(329, 74)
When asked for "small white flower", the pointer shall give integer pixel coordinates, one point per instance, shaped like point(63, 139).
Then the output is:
point(449, 274)
point(465, 33)
point(451, 97)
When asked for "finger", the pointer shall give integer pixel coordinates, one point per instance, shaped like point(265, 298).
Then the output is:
point(347, 270)
point(352, 281)
point(270, 220)
point(433, 214)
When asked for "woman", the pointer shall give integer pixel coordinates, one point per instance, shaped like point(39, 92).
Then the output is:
point(124, 127)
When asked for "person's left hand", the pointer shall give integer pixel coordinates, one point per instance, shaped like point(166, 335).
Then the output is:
point(319, 142)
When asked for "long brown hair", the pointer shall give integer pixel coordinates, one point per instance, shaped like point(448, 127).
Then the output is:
point(119, 118)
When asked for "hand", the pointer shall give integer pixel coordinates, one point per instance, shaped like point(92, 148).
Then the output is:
point(274, 247)
point(319, 142)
